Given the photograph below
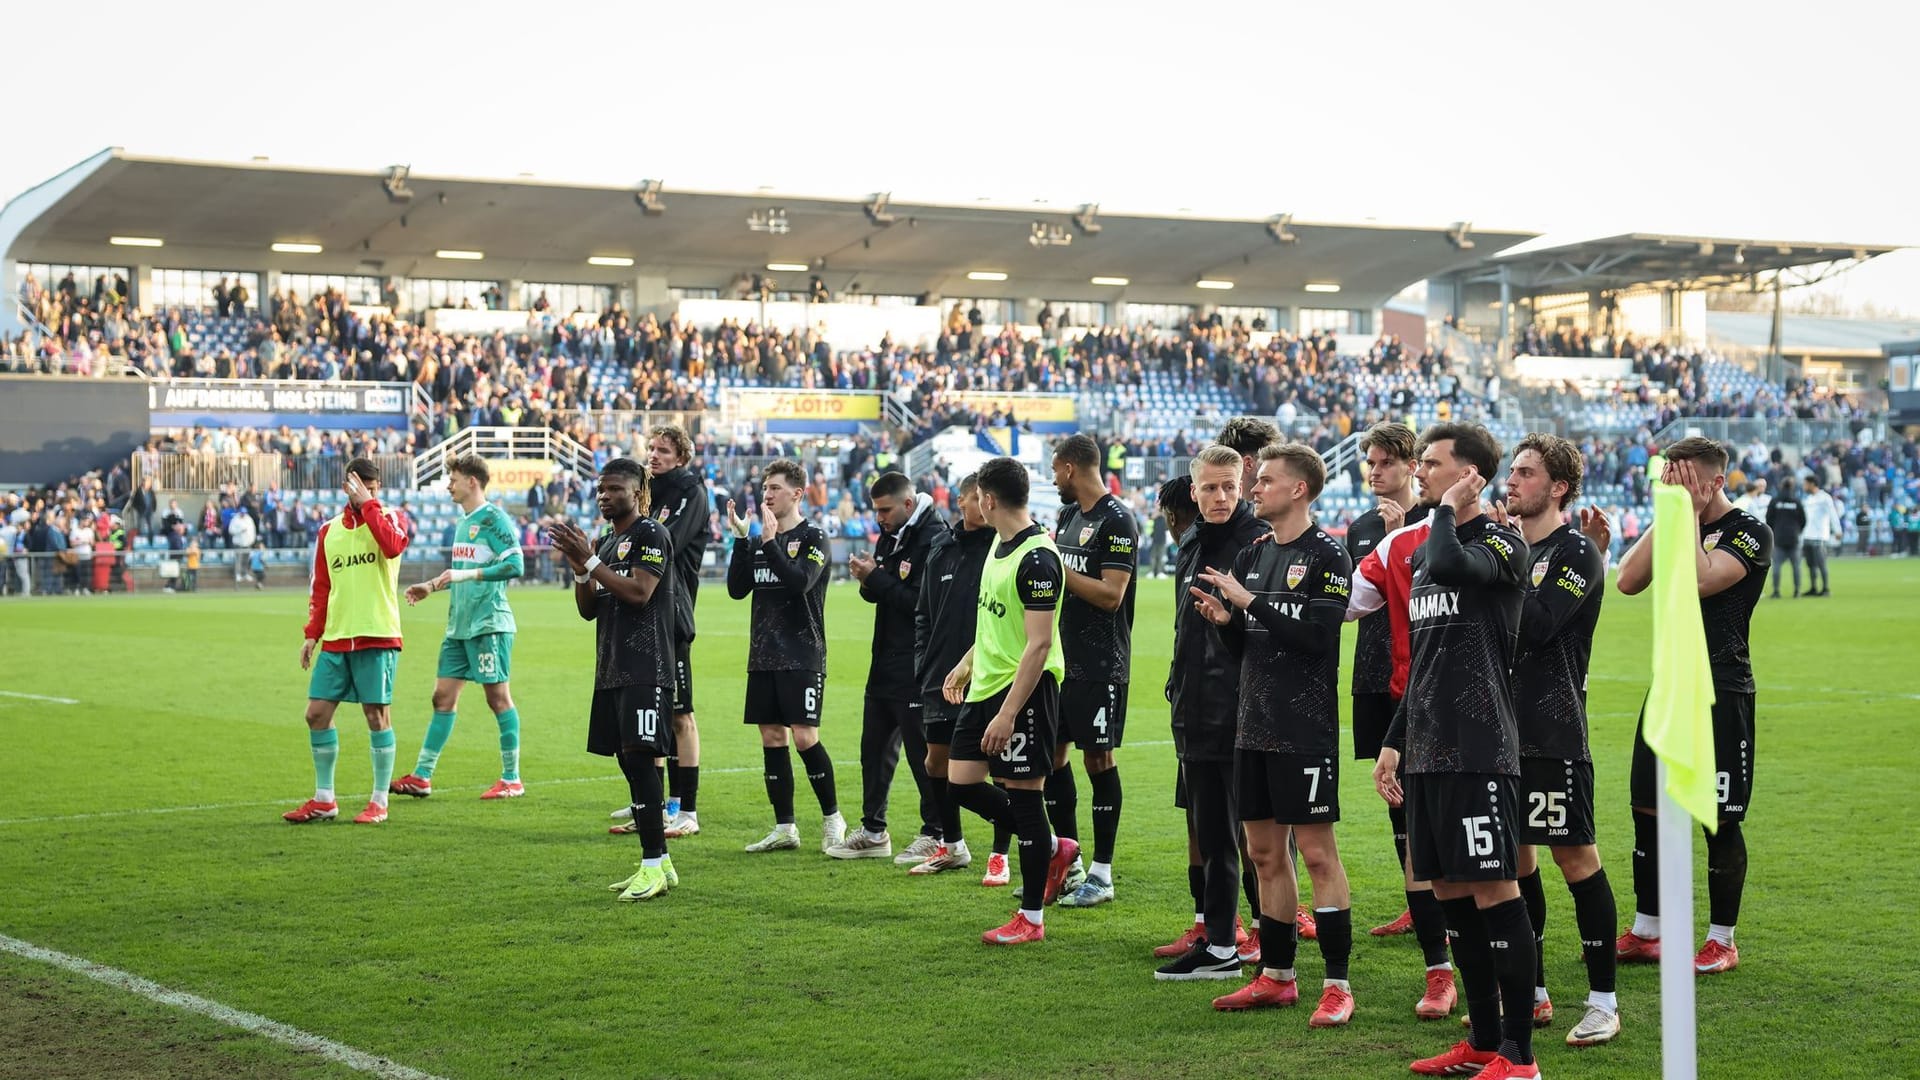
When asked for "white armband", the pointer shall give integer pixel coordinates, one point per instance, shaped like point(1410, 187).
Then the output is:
point(592, 561)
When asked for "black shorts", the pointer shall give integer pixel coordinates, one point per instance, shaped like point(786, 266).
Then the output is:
point(937, 715)
point(632, 719)
point(1556, 802)
point(1092, 714)
point(1036, 728)
point(1732, 752)
point(1462, 826)
point(682, 678)
point(785, 698)
point(1288, 789)
point(1372, 716)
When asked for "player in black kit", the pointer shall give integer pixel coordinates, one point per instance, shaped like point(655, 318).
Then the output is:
point(1735, 551)
point(1565, 581)
point(1279, 610)
point(890, 580)
point(785, 571)
point(1462, 746)
point(1099, 544)
point(680, 503)
point(626, 587)
point(943, 625)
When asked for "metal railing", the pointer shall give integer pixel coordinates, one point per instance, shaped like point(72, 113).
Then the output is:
point(1797, 436)
point(502, 443)
point(203, 471)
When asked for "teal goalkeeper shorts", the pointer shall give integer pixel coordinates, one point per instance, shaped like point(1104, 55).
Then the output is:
point(484, 659)
point(364, 676)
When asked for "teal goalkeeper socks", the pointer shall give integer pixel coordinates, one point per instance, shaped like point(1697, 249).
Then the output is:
point(439, 730)
point(382, 763)
point(509, 744)
point(326, 751)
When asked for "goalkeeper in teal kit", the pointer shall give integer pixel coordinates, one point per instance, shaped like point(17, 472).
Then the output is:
point(478, 648)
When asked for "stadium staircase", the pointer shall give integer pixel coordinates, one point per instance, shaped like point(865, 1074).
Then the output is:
point(503, 444)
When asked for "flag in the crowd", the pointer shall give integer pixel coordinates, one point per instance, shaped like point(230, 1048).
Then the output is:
point(1679, 720)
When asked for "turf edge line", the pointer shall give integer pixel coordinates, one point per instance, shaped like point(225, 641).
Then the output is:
point(303, 1041)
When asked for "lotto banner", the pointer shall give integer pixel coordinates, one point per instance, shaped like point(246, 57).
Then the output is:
point(518, 474)
point(806, 411)
point(1052, 413)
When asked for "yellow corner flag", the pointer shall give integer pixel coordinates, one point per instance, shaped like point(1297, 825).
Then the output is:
point(1679, 721)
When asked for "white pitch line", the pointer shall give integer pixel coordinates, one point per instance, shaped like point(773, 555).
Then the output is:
point(98, 814)
point(303, 1041)
point(40, 697)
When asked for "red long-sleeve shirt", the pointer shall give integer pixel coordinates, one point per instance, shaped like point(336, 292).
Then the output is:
point(391, 541)
point(1385, 579)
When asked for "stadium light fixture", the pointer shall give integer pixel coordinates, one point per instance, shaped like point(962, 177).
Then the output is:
point(648, 198)
point(1084, 220)
point(877, 211)
point(1109, 281)
point(1457, 236)
point(986, 275)
point(789, 267)
point(135, 241)
point(1212, 283)
point(1277, 227)
point(1322, 286)
point(456, 253)
point(1042, 234)
point(290, 248)
point(609, 260)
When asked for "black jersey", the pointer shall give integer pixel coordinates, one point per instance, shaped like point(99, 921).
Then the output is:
point(680, 504)
point(1564, 587)
point(1288, 641)
point(1098, 644)
point(1464, 615)
point(1728, 614)
point(633, 646)
point(1373, 643)
point(787, 577)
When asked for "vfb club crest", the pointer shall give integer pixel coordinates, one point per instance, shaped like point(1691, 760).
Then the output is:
point(1295, 573)
point(793, 549)
point(620, 550)
point(1539, 572)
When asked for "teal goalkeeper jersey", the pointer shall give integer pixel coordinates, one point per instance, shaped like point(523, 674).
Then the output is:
point(484, 540)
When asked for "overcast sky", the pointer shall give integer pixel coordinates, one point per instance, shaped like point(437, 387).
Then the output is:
point(1757, 120)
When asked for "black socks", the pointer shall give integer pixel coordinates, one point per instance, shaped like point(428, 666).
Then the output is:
point(1429, 925)
point(1336, 940)
point(820, 774)
point(1510, 939)
point(1726, 873)
point(779, 766)
point(1473, 959)
point(1536, 897)
point(1279, 943)
point(1063, 802)
point(1646, 863)
point(1593, 910)
point(1027, 810)
point(1106, 813)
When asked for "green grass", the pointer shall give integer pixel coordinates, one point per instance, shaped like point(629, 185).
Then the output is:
point(478, 940)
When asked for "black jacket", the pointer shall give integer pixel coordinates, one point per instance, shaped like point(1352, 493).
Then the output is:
point(1786, 516)
point(900, 565)
point(1204, 683)
point(949, 599)
point(679, 502)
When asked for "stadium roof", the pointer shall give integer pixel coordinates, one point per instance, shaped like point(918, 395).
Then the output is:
point(1810, 335)
point(1653, 260)
point(532, 229)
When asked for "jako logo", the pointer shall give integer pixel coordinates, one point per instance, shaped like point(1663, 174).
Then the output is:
point(998, 609)
point(361, 559)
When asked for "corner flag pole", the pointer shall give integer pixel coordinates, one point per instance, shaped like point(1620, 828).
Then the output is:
point(1678, 1051)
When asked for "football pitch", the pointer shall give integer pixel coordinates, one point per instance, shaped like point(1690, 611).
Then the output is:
point(140, 828)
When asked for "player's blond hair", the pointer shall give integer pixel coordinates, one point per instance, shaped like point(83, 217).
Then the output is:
point(1303, 461)
point(1215, 454)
